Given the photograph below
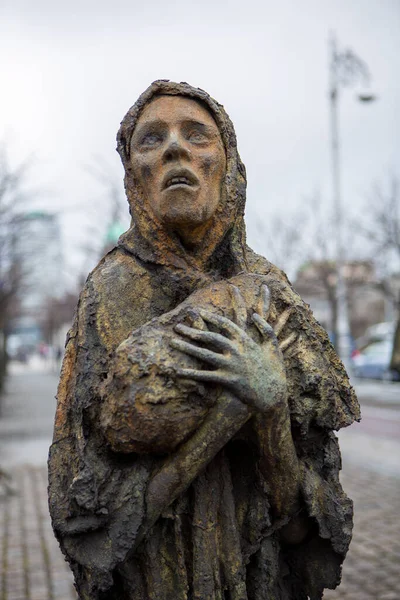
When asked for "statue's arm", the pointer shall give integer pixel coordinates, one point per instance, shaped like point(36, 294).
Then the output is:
point(254, 371)
point(254, 385)
point(278, 461)
point(181, 468)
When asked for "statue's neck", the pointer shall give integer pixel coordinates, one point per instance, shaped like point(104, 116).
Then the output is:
point(191, 239)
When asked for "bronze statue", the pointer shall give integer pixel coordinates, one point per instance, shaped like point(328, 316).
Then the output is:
point(193, 454)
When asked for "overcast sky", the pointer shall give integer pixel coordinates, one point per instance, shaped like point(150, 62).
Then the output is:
point(69, 71)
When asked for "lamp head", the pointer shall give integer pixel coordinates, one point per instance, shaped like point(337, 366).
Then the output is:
point(366, 97)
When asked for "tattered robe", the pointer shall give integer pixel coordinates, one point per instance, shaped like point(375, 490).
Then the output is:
point(217, 538)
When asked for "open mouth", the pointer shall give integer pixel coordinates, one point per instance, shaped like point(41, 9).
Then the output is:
point(179, 178)
point(177, 181)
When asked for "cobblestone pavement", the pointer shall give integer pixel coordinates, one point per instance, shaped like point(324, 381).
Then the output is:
point(32, 566)
point(371, 569)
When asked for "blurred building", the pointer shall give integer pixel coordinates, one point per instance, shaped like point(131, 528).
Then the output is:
point(39, 251)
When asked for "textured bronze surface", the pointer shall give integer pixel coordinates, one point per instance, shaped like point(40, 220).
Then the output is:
point(193, 454)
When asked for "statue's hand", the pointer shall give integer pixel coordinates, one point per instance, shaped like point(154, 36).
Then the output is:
point(253, 371)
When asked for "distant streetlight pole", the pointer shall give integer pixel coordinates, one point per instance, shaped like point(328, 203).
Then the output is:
point(346, 69)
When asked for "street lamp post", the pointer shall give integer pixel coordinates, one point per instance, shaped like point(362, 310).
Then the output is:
point(345, 70)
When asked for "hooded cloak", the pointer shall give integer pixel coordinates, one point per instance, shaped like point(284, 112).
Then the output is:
point(216, 537)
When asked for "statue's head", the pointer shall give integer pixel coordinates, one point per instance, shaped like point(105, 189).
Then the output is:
point(178, 160)
point(183, 173)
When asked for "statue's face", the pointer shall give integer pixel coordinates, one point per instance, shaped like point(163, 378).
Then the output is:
point(178, 159)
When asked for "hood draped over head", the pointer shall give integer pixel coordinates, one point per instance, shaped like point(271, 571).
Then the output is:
point(223, 245)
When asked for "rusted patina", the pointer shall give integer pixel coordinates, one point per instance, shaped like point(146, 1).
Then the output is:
point(193, 454)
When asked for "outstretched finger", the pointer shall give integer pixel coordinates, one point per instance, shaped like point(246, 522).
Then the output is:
point(264, 302)
point(196, 321)
point(239, 307)
point(294, 348)
point(263, 327)
point(281, 321)
point(213, 358)
point(225, 325)
point(208, 376)
point(206, 337)
point(286, 343)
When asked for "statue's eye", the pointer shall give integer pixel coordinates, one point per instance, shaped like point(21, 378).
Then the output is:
point(197, 136)
point(150, 139)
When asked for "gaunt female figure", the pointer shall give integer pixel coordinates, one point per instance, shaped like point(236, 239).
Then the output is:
point(193, 454)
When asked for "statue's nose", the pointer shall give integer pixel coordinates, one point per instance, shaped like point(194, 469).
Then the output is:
point(176, 149)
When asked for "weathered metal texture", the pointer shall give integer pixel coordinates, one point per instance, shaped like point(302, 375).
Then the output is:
point(167, 488)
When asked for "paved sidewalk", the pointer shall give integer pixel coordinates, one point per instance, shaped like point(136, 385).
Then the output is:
point(371, 569)
point(31, 564)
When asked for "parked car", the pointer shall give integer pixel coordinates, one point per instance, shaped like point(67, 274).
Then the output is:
point(373, 361)
point(380, 332)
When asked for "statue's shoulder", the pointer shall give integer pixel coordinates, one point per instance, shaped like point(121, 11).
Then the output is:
point(283, 293)
point(112, 298)
point(116, 270)
point(258, 264)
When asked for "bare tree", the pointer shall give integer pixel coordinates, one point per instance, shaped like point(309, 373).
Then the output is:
point(11, 266)
point(302, 242)
point(103, 219)
point(58, 312)
point(380, 225)
point(112, 205)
